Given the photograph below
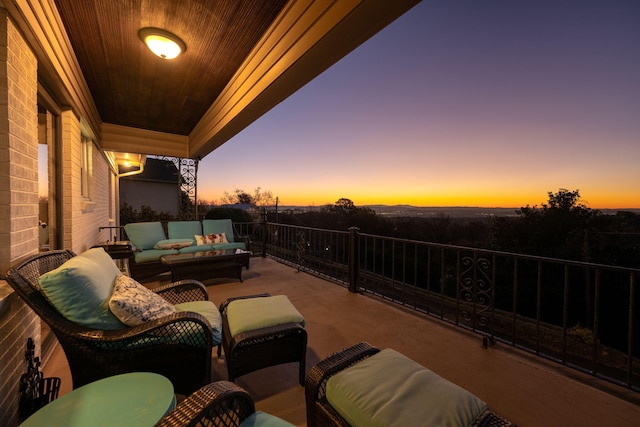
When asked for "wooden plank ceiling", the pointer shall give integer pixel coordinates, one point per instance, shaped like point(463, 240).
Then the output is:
point(133, 87)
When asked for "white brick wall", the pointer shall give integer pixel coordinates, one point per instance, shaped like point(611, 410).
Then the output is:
point(19, 200)
point(18, 205)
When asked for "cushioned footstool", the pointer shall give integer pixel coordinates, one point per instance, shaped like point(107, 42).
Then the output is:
point(364, 386)
point(260, 331)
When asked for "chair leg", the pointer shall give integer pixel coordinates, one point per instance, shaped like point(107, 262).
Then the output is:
point(301, 374)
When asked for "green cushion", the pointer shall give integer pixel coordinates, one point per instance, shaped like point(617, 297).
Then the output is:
point(150, 255)
point(209, 311)
point(81, 287)
point(236, 245)
point(389, 389)
point(262, 419)
point(216, 226)
point(255, 313)
point(191, 249)
point(184, 230)
point(144, 235)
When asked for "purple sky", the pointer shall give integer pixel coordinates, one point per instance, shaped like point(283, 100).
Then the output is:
point(458, 103)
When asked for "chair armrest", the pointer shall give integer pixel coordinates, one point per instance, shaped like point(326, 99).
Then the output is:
point(237, 237)
point(185, 327)
point(225, 303)
point(220, 403)
point(183, 291)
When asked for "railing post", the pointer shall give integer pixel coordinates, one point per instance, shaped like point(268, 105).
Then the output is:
point(265, 235)
point(354, 258)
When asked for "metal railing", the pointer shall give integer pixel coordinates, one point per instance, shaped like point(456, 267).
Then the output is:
point(578, 314)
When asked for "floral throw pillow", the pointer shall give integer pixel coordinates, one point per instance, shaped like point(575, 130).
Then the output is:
point(211, 239)
point(134, 304)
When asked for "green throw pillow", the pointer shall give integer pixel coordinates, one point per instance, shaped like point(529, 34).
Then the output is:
point(81, 287)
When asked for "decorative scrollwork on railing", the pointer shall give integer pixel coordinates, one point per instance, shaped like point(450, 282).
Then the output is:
point(476, 291)
point(301, 247)
point(187, 185)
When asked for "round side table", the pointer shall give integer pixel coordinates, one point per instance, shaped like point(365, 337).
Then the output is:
point(134, 399)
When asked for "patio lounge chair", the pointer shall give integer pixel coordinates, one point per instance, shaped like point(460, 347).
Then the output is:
point(178, 345)
point(362, 385)
point(220, 404)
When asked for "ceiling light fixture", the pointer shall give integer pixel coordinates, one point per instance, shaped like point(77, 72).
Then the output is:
point(161, 42)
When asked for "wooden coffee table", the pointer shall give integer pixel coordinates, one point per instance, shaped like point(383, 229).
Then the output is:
point(206, 265)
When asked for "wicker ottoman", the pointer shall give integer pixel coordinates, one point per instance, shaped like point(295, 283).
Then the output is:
point(259, 331)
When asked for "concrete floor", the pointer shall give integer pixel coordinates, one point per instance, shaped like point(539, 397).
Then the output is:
point(522, 388)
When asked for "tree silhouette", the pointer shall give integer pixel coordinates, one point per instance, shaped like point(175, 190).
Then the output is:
point(555, 229)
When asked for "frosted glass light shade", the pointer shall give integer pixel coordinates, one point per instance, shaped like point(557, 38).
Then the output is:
point(162, 43)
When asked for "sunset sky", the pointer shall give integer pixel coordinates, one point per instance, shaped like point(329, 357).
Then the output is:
point(458, 103)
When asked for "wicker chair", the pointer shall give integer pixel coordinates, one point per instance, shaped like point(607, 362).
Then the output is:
point(220, 404)
point(264, 347)
point(94, 354)
point(320, 413)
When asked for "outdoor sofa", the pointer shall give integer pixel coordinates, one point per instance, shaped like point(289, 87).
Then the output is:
point(150, 242)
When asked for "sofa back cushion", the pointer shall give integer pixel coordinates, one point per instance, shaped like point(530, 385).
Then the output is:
point(144, 235)
point(217, 226)
point(184, 230)
point(81, 287)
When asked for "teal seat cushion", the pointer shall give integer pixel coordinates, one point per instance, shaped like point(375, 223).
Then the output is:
point(199, 248)
point(256, 313)
point(389, 389)
point(81, 287)
point(262, 419)
point(150, 255)
point(184, 230)
point(144, 235)
point(236, 245)
point(209, 311)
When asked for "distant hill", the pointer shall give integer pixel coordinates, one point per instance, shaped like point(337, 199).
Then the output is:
point(453, 212)
point(427, 212)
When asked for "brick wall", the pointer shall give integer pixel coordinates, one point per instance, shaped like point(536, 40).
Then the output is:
point(18, 205)
point(17, 323)
point(82, 216)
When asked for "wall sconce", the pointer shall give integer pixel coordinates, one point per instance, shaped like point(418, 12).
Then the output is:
point(161, 42)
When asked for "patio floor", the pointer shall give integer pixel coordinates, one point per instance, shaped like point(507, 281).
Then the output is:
point(527, 390)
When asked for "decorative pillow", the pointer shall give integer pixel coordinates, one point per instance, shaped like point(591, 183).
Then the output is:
point(134, 304)
point(173, 244)
point(211, 239)
point(80, 289)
